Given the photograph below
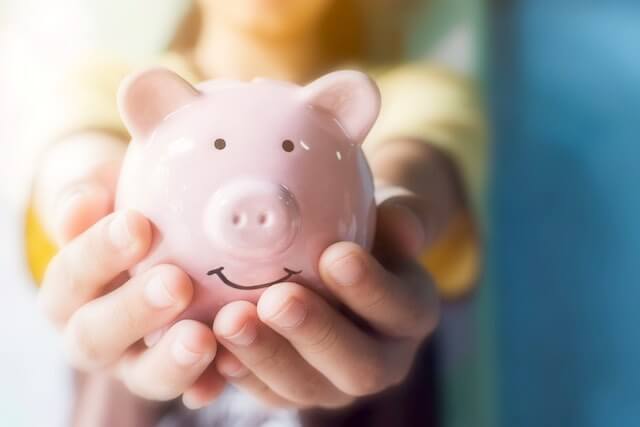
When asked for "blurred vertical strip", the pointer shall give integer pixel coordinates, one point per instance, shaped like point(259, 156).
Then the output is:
point(453, 33)
point(566, 211)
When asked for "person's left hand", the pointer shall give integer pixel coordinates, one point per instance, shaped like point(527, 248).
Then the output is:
point(294, 349)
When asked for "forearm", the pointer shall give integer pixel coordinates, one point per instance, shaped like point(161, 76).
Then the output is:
point(425, 171)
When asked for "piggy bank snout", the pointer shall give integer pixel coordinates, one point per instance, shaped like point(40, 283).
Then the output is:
point(252, 218)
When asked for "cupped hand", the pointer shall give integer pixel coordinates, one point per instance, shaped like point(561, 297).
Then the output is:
point(294, 349)
point(103, 313)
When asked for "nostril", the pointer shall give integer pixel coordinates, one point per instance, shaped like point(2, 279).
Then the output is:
point(263, 219)
point(251, 219)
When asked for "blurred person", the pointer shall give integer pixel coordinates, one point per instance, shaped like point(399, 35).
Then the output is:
point(371, 366)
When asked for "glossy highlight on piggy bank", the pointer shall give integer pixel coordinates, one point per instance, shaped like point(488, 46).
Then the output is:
point(247, 183)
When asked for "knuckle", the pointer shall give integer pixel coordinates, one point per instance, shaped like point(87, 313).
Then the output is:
point(131, 314)
point(376, 297)
point(324, 339)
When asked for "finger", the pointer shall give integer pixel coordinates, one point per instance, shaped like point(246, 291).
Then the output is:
point(356, 363)
point(206, 389)
point(79, 207)
point(99, 332)
point(399, 229)
point(402, 305)
point(237, 374)
point(165, 371)
point(270, 357)
point(86, 265)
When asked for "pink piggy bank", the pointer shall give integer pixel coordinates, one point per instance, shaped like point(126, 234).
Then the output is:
point(247, 183)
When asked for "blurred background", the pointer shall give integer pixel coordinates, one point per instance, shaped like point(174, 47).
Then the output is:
point(552, 338)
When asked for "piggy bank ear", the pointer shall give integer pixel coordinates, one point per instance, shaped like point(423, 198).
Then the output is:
point(349, 96)
point(145, 99)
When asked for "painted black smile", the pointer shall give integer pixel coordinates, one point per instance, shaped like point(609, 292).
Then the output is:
point(218, 272)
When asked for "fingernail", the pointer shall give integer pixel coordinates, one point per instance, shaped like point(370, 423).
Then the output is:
point(183, 353)
point(289, 316)
point(119, 232)
point(347, 271)
point(245, 336)
point(158, 293)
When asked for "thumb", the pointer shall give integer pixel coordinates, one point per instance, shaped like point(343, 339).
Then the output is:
point(78, 207)
point(403, 225)
point(76, 183)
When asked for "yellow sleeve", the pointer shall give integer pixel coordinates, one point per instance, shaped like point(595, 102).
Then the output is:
point(433, 105)
point(88, 94)
point(88, 101)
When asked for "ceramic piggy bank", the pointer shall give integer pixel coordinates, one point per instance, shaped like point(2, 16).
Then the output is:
point(247, 183)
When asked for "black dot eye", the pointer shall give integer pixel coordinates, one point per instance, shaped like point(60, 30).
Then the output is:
point(288, 146)
point(220, 144)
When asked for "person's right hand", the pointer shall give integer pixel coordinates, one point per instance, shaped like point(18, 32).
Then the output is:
point(103, 313)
